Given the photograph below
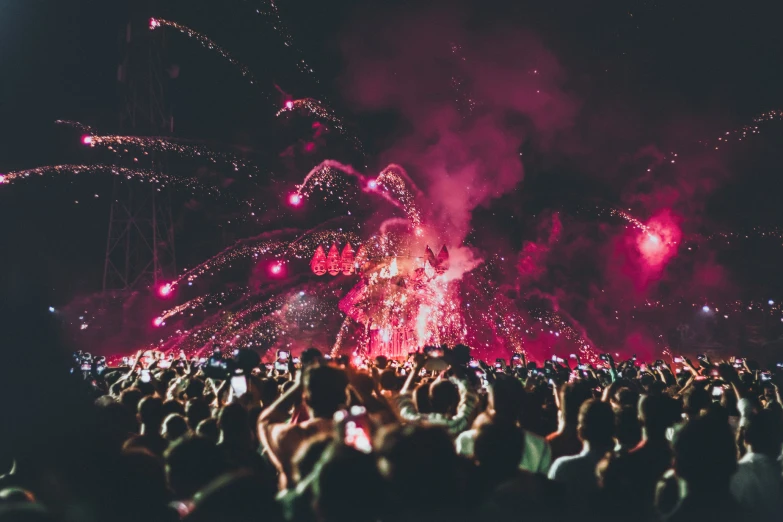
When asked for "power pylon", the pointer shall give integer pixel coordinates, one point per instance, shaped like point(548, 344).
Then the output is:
point(140, 245)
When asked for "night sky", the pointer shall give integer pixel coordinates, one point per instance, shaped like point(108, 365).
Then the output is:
point(640, 74)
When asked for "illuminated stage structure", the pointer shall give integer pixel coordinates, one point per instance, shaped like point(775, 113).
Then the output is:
point(402, 302)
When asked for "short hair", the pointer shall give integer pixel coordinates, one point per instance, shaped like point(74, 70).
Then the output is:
point(499, 447)
point(173, 406)
point(444, 396)
point(596, 422)
point(130, 398)
point(347, 486)
point(191, 463)
point(325, 389)
point(506, 397)
point(705, 453)
point(657, 413)
point(174, 427)
point(151, 411)
point(196, 410)
point(390, 381)
point(232, 419)
point(208, 429)
point(572, 396)
point(764, 432)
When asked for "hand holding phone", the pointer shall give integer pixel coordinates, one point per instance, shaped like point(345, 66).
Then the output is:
point(239, 385)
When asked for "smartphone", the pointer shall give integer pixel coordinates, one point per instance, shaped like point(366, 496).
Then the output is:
point(281, 367)
point(717, 391)
point(355, 428)
point(239, 385)
point(145, 376)
point(403, 372)
point(551, 382)
point(582, 367)
point(766, 376)
point(164, 363)
point(701, 357)
point(604, 357)
point(700, 378)
point(296, 360)
point(678, 360)
point(473, 363)
point(572, 356)
point(500, 363)
point(86, 366)
point(125, 361)
point(283, 355)
point(327, 357)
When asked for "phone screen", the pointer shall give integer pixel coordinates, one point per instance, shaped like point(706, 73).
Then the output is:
point(239, 385)
point(283, 355)
point(145, 376)
point(86, 367)
point(717, 391)
point(281, 367)
point(473, 363)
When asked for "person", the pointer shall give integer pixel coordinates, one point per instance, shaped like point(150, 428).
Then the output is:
point(235, 442)
point(595, 429)
point(452, 403)
point(209, 430)
point(506, 396)
point(347, 486)
point(174, 427)
point(191, 463)
point(705, 460)
point(323, 389)
point(150, 419)
point(565, 441)
point(422, 472)
point(757, 485)
point(237, 496)
point(196, 410)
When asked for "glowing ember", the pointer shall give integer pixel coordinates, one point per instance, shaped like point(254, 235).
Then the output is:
point(372, 184)
point(158, 321)
point(154, 23)
point(86, 139)
point(289, 104)
point(295, 199)
point(165, 290)
point(2, 178)
point(705, 309)
point(276, 269)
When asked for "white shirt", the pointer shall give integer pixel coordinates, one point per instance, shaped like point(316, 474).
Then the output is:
point(536, 457)
point(758, 486)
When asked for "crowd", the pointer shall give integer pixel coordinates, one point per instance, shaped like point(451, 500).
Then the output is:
point(439, 436)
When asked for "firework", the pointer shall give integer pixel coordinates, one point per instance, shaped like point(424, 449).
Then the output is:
point(323, 112)
point(205, 42)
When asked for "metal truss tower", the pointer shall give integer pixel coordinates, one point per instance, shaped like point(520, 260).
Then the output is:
point(140, 244)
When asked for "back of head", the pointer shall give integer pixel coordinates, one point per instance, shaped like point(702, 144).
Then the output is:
point(505, 399)
point(627, 429)
point(696, 399)
point(173, 406)
point(191, 463)
point(421, 465)
point(325, 390)
point(390, 381)
point(572, 396)
point(130, 398)
point(151, 412)
point(363, 384)
point(232, 421)
point(174, 427)
point(498, 448)
point(705, 454)
point(444, 397)
point(657, 413)
point(347, 487)
point(421, 396)
point(196, 410)
point(596, 423)
point(208, 429)
point(764, 432)
point(311, 355)
point(142, 477)
point(269, 391)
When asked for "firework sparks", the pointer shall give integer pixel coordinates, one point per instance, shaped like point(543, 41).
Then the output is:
point(155, 23)
point(321, 111)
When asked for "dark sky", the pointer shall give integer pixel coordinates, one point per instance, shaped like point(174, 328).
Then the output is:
point(669, 71)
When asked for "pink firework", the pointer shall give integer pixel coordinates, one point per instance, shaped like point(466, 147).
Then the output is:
point(658, 244)
point(165, 290)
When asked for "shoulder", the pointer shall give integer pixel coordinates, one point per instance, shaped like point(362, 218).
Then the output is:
point(464, 442)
